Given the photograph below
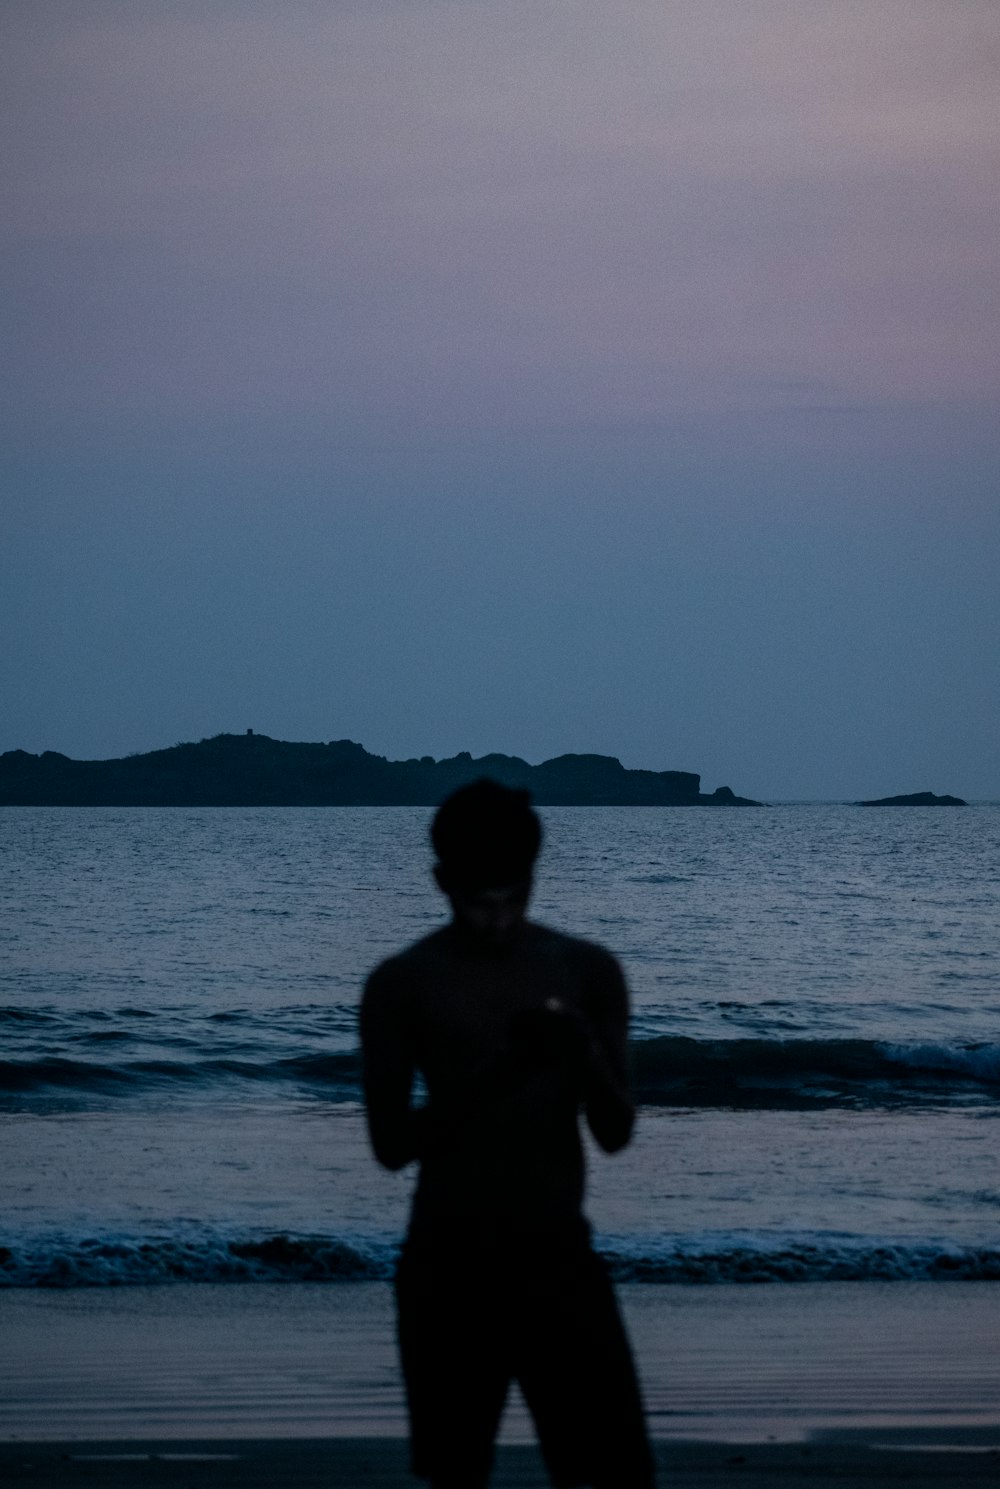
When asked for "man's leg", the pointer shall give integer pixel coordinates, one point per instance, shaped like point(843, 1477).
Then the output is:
point(455, 1367)
point(576, 1371)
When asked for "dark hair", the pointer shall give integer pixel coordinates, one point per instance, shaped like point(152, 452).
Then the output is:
point(486, 834)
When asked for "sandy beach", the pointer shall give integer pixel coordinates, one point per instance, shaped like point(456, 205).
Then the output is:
point(349, 1463)
point(198, 1387)
point(731, 1364)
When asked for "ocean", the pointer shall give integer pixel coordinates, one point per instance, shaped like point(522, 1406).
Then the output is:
point(816, 991)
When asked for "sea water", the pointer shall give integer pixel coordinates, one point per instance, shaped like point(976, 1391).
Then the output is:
point(816, 992)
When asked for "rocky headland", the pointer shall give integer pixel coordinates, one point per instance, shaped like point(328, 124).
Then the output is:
point(253, 770)
point(915, 799)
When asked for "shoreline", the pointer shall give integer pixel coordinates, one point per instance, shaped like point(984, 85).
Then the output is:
point(382, 1463)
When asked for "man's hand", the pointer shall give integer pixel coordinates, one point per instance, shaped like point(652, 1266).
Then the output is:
point(553, 1035)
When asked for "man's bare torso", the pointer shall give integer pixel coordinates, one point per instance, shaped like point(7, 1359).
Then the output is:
point(502, 1038)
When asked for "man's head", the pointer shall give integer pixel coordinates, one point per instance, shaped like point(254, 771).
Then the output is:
point(486, 838)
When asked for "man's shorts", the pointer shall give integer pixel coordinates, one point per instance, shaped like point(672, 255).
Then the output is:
point(544, 1315)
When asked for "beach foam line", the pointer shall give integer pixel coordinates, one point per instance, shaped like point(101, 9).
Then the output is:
point(153, 1457)
point(797, 1258)
point(118, 1260)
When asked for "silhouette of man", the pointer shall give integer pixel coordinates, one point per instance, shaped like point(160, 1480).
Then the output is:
point(515, 1030)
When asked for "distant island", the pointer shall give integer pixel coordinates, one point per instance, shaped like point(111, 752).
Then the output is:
point(915, 799)
point(253, 770)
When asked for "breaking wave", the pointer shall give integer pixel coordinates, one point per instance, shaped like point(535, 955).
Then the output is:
point(339, 1074)
point(117, 1261)
point(792, 1073)
point(668, 1070)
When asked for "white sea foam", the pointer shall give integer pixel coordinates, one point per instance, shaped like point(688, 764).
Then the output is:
point(117, 1260)
point(976, 1062)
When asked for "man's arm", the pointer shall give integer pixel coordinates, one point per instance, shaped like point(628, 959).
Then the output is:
point(394, 1126)
point(607, 1102)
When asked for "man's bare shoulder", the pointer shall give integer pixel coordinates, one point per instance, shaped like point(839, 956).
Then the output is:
point(588, 964)
point(582, 950)
point(597, 969)
point(409, 965)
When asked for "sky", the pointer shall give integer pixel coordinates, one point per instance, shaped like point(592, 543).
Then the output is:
point(534, 376)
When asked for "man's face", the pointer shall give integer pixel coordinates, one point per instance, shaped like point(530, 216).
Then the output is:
point(492, 915)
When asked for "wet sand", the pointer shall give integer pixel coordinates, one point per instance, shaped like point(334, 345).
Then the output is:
point(728, 1364)
point(380, 1463)
point(200, 1387)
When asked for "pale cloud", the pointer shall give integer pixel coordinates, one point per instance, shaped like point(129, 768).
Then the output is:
point(645, 205)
